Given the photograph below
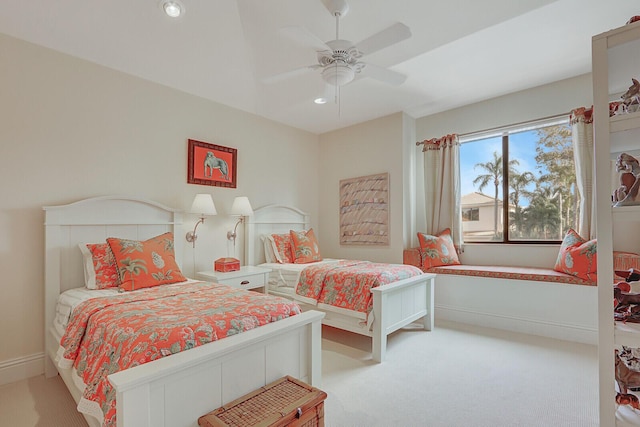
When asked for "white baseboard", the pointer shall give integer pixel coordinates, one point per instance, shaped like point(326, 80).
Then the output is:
point(21, 368)
point(563, 331)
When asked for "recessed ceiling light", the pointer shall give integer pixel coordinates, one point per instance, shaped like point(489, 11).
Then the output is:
point(172, 8)
point(320, 100)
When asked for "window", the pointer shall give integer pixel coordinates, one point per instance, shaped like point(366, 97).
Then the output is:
point(470, 214)
point(533, 165)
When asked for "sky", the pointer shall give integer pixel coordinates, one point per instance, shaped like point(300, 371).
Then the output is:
point(522, 147)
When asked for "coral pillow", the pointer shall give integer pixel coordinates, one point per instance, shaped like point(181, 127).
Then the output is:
point(438, 250)
point(577, 257)
point(305, 247)
point(282, 248)
point(145, 264)
point(100, 270)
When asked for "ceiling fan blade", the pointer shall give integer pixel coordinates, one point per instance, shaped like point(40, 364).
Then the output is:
point(303, 37)
point(383, 74)
point(385, 38)
point(289, 74)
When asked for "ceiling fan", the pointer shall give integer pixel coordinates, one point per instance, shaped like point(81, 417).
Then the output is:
point(339, 61)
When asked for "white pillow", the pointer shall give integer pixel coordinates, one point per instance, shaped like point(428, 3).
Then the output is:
point(267, 243)
point(87, 263)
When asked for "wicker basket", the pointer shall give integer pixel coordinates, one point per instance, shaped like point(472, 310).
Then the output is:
point(285, 402)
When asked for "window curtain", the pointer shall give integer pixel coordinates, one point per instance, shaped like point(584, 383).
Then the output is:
point(442, 186)
point(581, 120)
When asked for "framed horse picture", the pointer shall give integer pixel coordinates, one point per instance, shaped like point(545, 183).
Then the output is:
point(210, 164)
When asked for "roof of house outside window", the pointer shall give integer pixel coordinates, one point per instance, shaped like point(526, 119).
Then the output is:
point(477, 199)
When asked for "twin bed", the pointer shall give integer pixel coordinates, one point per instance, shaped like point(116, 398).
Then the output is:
point(170, 391)
point(394, 305)
point(175, 390)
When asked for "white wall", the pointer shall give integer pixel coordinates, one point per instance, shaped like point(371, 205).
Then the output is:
point(544, 101)
point(72, 129)
point(368, 148)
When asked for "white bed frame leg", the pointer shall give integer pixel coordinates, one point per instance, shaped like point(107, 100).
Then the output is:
point(379, 338)
point(315, 373)
point(429, 319)
point(398, 304)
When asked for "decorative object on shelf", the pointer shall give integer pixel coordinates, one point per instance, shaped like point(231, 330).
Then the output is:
point(628, 399)
point(224, 265)
point(626, 305)
point(623, 262)
point(631, 98)
point(617, 108)
point(622, 298)
point(627, 192)
point(210, 164)
point(203, 205)
point(364, 210)
point(630, 275)
point(626, 364)
point(633, 19)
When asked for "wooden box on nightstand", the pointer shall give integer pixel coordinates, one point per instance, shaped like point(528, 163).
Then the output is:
point(248, 277)
point(224, 265)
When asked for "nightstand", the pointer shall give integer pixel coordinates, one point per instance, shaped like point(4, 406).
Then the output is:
point(248, 277)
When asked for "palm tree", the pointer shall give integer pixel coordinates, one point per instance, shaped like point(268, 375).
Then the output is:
point(519, 182)
point(494, 174)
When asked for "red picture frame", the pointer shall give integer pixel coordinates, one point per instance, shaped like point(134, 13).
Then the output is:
point(210, 164)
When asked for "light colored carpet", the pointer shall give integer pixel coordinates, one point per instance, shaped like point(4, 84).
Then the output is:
point(454, 376)
point(460, 376)
point(38, 402)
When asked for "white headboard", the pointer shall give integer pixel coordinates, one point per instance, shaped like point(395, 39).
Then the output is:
point(93, 221)
point(269, 220)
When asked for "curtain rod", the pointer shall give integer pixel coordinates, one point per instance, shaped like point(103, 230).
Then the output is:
point(504, 128)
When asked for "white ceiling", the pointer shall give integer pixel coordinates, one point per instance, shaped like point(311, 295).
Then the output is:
point(460, 51)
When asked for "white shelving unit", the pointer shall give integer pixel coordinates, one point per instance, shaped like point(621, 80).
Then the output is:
point(616, 60)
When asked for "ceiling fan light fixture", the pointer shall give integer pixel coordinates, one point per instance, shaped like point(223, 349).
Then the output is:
point(338, 74)
point(172, 8)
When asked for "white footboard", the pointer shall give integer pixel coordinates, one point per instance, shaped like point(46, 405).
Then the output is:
point(398, 304)
point(176, 390)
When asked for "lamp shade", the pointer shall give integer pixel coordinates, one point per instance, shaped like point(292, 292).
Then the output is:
point(241, 206)
point(203, 205)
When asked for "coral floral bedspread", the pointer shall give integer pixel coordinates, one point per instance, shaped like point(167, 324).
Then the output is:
point(109, 334)
point(347, 284)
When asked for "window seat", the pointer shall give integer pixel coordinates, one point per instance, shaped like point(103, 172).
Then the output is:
point(509, 272)
point(413, 256)
point(537, 301)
